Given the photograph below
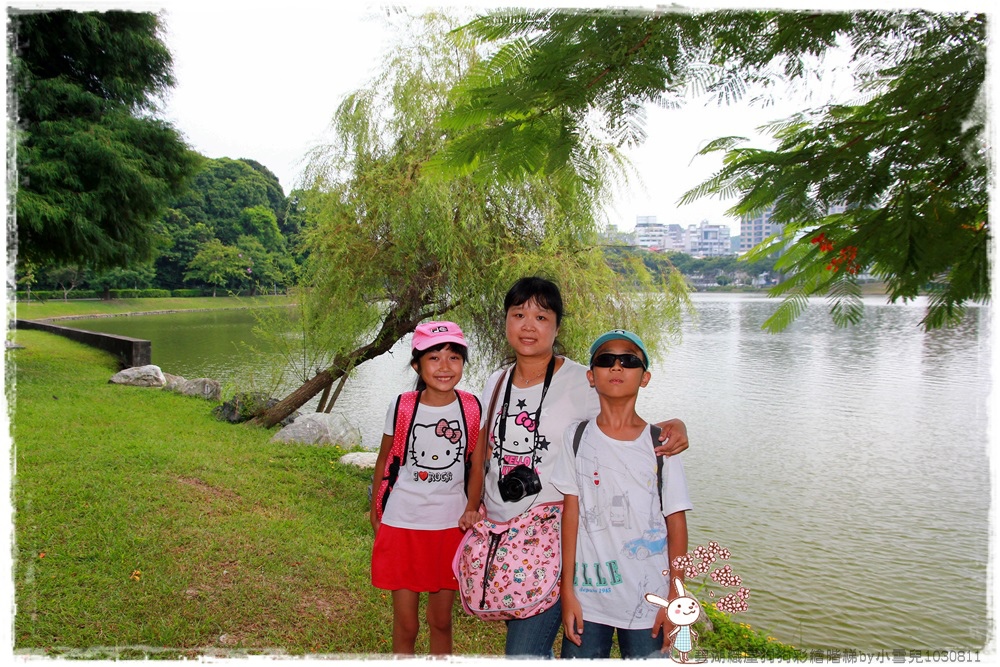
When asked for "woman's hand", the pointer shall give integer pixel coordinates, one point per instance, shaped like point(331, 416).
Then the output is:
point(673, 437)
point(373, 517)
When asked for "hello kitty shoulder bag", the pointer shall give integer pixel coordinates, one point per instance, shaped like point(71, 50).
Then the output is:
point(406, 409)
point(510, 569)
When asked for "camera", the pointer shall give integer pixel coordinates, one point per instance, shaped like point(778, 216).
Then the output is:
point(520, 482)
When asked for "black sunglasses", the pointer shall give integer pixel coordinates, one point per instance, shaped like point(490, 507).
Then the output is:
point(607, 360)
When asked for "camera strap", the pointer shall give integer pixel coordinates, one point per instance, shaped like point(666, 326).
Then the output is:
point(502, 427)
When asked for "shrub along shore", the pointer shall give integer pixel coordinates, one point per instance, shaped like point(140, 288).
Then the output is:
point(144, 527)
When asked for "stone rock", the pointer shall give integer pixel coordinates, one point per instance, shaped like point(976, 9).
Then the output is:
point(173, 381)
point(243, 407)
point(360, 459)
point(140, 376)
point(319, 428)
point(203, 387)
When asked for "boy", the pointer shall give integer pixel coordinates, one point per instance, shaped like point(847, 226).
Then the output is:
point(613, 519)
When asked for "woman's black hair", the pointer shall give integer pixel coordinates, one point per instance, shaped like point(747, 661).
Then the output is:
point(417, 354)
point(545, 293)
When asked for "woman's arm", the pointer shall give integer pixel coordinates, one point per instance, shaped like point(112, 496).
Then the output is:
point(477, 476)
point(673, 436)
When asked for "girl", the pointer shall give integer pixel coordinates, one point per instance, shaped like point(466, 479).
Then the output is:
point(429, 434)
point(541, 394)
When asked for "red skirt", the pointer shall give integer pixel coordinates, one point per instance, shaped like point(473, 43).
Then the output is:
point(414, 560)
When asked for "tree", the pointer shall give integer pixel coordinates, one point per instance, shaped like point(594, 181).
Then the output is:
point(66, 277)
point(390, 245)
point(907, 163)
point(217, 264)
point(220, 193)
point(137, 276)
point(95, 167)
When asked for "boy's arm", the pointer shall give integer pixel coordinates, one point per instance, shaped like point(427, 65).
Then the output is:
point(572, 612)
point(677, 546)
point(383, 454)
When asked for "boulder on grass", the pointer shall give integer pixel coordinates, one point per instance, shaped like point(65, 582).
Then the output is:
point(319, 428)
point(202, 387)
point(140, 376)
point(173, 381)
point(360, 459)
point(246, 405)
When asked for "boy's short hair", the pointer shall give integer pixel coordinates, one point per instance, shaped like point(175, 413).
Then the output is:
point(618, 334)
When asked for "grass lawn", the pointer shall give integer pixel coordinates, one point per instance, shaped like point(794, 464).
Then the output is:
point(144, 528)
point(142, 521)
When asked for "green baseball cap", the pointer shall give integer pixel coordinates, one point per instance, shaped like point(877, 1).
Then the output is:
point(619, 334)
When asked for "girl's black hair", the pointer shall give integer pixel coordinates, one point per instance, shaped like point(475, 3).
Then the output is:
point(545, 293)
point(418, 354)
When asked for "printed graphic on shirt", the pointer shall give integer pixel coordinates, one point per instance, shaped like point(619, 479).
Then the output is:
point(520, 438)
point(435, 449)
point(606, 503)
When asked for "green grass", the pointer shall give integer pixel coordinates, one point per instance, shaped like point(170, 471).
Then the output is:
point(34, 310)
point(145, 528)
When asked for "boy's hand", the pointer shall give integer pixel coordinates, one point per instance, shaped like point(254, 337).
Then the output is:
point(661, 624)
point(469, 519)
point(673, 437)
point(572, 614)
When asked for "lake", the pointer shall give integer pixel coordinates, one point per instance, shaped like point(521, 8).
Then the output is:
point(846, 470)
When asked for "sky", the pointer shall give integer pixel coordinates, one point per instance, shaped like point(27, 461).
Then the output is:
point(262, 81)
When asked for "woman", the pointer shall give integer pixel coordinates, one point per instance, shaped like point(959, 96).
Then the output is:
point(539, 396)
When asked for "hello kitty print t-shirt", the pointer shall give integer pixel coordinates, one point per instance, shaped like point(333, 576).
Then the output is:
point(429, 493)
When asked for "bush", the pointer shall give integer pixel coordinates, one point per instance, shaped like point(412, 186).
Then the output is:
point(139, 293)
point(186, 293)
point(46, 295)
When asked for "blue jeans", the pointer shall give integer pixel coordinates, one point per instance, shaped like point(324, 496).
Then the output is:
point(534, 636)
point(596, 643)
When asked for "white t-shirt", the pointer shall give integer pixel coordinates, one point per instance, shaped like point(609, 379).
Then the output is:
point(429, 493)
point(621, 547)
point(570, 398)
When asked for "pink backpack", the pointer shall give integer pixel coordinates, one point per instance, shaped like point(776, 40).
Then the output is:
point(511, 570)
point(406, 408)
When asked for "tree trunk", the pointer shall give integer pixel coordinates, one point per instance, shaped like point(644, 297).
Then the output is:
point(396, 325)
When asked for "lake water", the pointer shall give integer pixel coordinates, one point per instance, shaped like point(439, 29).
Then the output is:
point(847, 470)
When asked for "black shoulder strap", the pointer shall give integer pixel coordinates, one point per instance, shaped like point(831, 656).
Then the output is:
point(578, 435)
point(654, 432)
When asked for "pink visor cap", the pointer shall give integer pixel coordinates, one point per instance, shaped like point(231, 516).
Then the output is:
point(430, 334)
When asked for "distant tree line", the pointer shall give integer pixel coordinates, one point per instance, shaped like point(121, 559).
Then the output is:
point(724, 270)
point(232, 229)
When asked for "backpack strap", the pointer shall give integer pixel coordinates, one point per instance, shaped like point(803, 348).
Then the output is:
point(654, 432)
point(406, 408)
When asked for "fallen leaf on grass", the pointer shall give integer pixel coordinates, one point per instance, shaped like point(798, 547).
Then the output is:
point(41, 555)
point(136, 574)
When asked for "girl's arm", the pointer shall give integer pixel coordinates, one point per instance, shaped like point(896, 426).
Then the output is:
point(477, 475)
point(572, 612)
point(383, 454)
point(673, 437)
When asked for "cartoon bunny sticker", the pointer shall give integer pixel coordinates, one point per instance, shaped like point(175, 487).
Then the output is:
point(682, 611)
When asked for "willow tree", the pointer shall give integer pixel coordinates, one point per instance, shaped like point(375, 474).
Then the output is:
point(906, 165)
point(391, 243)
